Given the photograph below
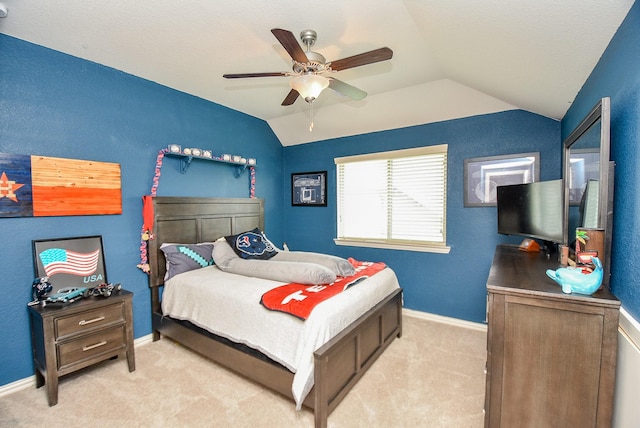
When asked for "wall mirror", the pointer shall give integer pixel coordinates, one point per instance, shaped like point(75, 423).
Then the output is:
point(588, 179)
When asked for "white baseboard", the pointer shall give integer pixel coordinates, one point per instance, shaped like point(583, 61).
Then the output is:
point(630, 327)
point(30, 381)
point(144, 340)
point(626, 412)
point(18, 385)
point(444, 320)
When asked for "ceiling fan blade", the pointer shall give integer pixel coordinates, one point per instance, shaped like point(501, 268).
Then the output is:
point(370, 57)
point(243, 75)
point(290, 44)
point(291, 98)
point(346, 89)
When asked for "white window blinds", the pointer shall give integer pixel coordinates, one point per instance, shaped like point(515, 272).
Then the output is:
point(394, 198)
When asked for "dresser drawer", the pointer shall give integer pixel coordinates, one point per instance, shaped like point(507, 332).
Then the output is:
point(89, 320)
point(87, 347)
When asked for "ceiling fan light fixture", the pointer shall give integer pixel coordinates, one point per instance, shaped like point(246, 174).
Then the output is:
point(309, 86)
point(307, 67)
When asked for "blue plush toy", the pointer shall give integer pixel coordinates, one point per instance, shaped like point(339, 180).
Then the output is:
point(572, 280)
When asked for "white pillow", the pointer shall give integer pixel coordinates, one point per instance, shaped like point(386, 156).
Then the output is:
point(338, 265)
point(284, 271)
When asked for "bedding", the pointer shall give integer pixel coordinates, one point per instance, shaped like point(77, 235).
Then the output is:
point(185, 257)
point(284, 271)
point(228, 305)
point(300, 299)
point(338, 265)
point(252, 244)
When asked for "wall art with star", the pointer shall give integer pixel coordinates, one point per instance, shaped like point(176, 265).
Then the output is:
point(40, 186)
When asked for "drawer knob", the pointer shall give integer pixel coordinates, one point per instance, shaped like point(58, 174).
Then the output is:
point(85, 322)
point(97, 345)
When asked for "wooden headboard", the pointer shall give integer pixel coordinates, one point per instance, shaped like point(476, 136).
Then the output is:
point(193, 220)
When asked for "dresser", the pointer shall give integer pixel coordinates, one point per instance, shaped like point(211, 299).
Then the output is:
point(68, 338)
point(551, 357)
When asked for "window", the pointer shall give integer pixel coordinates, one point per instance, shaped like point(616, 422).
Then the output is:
point(393, 199)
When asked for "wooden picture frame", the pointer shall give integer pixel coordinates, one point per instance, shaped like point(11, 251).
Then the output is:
point(42, 186)
point(70, 262)
point(309, 189)
point(482, 176)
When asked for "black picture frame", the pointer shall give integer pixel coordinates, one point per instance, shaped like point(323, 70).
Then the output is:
point(309, 189)
point(483, 175)
point(72, 262)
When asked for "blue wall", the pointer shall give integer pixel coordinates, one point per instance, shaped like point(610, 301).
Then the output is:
point(53, 104)
point(617, 75)
point(447, 284)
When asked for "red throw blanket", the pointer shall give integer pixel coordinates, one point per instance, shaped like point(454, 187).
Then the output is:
point(300, 299)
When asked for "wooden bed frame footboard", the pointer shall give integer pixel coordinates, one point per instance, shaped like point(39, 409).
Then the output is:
point(339, 364)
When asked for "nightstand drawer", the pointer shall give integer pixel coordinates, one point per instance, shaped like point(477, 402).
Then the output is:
point(89, 320)
point(90, 346)
point(69, 338)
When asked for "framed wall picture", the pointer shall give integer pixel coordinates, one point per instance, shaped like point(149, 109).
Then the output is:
point(70, 262)
point(309, 189)
point(42, 186)
point(482, 176)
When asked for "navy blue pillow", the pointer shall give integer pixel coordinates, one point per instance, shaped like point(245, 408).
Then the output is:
point(252, 244)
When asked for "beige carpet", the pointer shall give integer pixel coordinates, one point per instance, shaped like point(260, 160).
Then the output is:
point(431, 377)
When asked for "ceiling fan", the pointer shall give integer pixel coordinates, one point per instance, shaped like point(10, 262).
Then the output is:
point(309, 67)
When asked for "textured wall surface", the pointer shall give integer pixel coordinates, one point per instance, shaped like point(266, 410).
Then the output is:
point(56, 105)
point(446, 284)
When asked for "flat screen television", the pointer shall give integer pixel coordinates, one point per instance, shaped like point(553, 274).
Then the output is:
point(533, 210)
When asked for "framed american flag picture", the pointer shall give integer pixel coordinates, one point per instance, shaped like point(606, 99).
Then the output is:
point(70, 262)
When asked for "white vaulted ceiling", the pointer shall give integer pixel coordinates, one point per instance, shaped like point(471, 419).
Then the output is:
point(452, 58)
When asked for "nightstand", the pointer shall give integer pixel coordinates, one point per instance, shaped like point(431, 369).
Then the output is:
point(77, 335)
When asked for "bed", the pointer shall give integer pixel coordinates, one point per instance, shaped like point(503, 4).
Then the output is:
point(337, 364)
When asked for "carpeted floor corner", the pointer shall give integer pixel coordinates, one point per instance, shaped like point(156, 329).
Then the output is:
point(431, 377)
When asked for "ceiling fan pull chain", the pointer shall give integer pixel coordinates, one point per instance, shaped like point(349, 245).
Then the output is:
point(311, 116)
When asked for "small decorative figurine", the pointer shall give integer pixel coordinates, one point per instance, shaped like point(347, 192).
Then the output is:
point(39, 290)
point(573, 280)
point(68, 295)
point(105, 289)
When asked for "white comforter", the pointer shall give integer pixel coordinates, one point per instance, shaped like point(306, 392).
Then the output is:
point(229, 306)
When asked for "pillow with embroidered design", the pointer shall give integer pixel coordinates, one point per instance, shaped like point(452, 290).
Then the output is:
point(185, 257)
point(252, 244)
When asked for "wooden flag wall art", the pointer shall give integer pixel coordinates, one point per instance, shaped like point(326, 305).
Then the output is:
point(40, 186)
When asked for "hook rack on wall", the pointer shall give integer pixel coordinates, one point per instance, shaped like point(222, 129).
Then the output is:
point(187, 155)
point(185, 161)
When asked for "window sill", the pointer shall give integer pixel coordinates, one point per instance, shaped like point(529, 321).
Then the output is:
point(408, 247)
